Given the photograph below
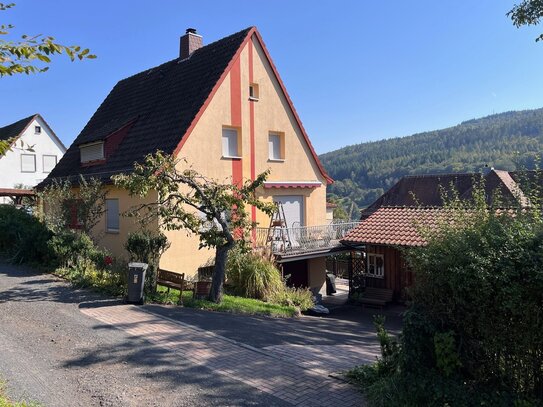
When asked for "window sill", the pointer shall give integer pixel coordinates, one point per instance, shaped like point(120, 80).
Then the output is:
point(230, 157)
point(276, 160)
point(253, 99)
point(112, 231)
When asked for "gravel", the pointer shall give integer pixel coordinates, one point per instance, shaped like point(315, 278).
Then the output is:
point(53, 354)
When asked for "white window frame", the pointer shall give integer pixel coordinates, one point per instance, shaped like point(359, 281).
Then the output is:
point(108, 228)
point(37, 129)
point(372, 269)
point(43, 162)
point(227, 134)
point(280, 138)
point(82, 147)
point(28, 155)
point(254, 92)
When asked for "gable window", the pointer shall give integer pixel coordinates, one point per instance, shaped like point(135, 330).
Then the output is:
point(276, 147)
point(112, 215)
point(376, 265)
point(28, 163)
point(49, 162)
point(37, 129)
point(230, 143)
point(253, 92)
point(92, 152)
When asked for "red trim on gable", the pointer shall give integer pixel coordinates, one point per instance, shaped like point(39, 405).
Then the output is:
point(252, 131)
point(113, 140)
point(204, 106)
point(329, 180)
point(212, 93)
point(235, 118)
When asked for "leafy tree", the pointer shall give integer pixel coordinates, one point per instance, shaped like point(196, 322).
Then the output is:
point(215, 211)
point(21, 56)
point(528, 12)
point(62, 204)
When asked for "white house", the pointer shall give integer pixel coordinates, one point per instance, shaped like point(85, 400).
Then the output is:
point(34, 153)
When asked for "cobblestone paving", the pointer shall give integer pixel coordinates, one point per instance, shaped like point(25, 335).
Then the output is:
point(295, 380)
point(326, 358)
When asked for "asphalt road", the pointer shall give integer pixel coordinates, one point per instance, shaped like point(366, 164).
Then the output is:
point(53, 354)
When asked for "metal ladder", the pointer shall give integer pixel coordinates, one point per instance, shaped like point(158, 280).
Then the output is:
point(278, 230)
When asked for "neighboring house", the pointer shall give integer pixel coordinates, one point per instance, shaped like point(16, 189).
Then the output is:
point(224, 108)
point(34, 153)
point(393, 221)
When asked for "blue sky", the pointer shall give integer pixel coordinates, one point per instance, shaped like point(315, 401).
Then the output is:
point(356, 70)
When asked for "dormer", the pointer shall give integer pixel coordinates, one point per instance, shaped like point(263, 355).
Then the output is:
point(92, 153)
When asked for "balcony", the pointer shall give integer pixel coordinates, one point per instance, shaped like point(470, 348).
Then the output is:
point(303, 240)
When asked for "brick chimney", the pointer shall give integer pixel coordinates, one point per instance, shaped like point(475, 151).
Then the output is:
point(189, 43)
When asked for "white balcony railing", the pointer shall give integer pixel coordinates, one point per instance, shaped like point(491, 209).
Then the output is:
point(302, 239)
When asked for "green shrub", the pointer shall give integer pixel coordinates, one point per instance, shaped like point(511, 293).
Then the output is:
point(300, 298)
point(71, 247)
point(23, 238)
point(145, 246)
point(472, 335)
point(251, 275)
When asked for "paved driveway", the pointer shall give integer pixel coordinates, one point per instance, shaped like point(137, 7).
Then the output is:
point(71, 347)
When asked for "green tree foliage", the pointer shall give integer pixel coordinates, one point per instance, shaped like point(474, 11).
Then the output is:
point(146, 246)
point(23, 238)
point(528, 12)
point(63, 202)
point(29, 55)
point(214, 211)
point(22, 56)
point(505, 141)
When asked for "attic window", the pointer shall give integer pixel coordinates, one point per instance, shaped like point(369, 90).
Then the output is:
point(37, 129)
point(253, 92)
point(92, 152)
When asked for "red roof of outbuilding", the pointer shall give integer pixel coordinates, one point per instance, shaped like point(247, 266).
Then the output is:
point(395, 226)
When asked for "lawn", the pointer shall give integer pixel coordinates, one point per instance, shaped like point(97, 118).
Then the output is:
point(230, 303)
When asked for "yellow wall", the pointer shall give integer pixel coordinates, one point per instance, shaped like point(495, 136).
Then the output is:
point(114, 242)
point(203, 150)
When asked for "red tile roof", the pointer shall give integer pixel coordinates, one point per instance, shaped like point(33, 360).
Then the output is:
point(395, 226)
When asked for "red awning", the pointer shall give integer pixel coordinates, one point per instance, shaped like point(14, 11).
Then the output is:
point(292, 184)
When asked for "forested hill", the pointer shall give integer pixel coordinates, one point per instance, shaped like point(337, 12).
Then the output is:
point(507, 141)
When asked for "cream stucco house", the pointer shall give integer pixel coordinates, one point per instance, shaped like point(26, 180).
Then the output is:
point(224, 108)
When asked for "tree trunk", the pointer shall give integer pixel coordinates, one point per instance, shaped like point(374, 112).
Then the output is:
point(221, 255)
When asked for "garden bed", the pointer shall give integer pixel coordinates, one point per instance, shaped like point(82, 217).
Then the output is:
point(230, 303)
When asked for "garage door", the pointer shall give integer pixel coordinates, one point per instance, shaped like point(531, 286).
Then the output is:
point(293, 206)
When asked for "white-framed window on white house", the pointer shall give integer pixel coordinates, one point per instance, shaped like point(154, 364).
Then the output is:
point(28, 162)
point(49, 162)
point(376, 265)
point(37, 129)
point(112, 215)
point(230, 143)
point(92, 152)
point(276, 146)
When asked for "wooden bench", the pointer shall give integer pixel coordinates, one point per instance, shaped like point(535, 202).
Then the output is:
point(174, 280)
point(378, 297)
